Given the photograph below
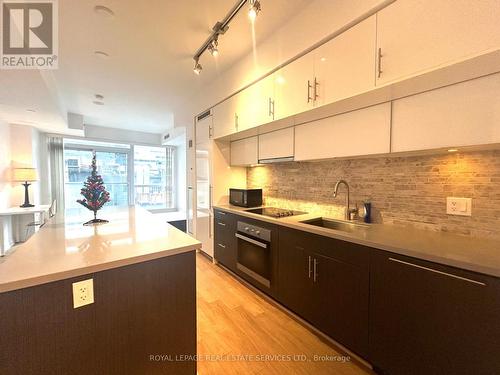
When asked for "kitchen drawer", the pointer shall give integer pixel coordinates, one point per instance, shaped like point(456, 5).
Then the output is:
point(225, 253)
point(223, 232)
point(224, 239)
point(224, 223)
point(223, 216)
point(344, 251)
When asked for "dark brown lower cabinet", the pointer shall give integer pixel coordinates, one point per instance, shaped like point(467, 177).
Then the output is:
point(341, 297)
point(225, 244)
point(429, 319)
point(326, 282)
point(143, 321)
point(294, 278)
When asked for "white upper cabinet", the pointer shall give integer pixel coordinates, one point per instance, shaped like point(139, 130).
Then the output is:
point(294, 87)
point(204, 129)
point(224, 118)
point(277, 145)
point(255, 104)
point(463, 114)
point(245, 152)
point(419, 35)
point(345, 66)
point(363, 132)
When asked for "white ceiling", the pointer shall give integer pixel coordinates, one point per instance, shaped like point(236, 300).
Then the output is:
point(149, 71)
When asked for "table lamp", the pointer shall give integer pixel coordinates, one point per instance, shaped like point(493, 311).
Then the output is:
point(25, 175)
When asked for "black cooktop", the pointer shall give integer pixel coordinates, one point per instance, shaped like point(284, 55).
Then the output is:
point(275, 212)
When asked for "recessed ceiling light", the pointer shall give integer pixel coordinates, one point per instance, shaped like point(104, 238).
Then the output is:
point(99, 97)
point(96, 102)
point(31, 110)
point(101, 54)
point(105, 11)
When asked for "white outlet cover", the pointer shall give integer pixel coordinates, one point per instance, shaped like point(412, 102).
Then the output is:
point(83, 293)
point(459, 206)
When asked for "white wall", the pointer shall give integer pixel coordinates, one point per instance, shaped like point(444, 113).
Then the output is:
point(121, 135)
point(318, 20)
point(5, 172)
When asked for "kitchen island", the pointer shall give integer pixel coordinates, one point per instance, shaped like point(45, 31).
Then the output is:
point(142, 319)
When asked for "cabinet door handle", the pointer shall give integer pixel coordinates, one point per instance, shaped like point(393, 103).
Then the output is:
point(315, 277)
point(309, 267)
point(210, 235)
point(236, 121)
point(269, 108)
point(309, 87)
point(210, 132)
point(221, 224)
point(379, 63)
point(438, 272)
point(221, 245)
point(210, 198)
point(316, 84)
point(221, 213)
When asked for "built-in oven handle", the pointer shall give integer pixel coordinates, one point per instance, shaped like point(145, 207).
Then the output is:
point(251, 240)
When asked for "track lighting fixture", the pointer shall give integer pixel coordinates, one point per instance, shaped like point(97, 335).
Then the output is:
point(220, 28)
point(213, 48)
point(254, 9)
point(197, 67)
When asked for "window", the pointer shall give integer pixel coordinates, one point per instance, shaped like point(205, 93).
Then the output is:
point(112, 166)
point(142, 175)
point(154, 177)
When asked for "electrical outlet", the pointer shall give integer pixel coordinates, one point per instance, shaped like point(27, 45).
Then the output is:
point(83, 293)
point(459, 206)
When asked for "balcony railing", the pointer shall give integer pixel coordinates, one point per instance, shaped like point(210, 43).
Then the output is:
point(154, 196)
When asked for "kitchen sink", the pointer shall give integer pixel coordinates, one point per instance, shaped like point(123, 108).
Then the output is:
point(341, 225)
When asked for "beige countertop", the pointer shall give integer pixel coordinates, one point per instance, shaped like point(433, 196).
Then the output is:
point(64, 248)
point(474, 254)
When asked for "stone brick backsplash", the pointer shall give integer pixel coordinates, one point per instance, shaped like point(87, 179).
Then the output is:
point(408, 190)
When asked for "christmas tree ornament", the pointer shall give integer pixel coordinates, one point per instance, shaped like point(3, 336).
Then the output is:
point(94, 193)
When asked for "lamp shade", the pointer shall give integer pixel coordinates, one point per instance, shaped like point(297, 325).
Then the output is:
point(24, 174)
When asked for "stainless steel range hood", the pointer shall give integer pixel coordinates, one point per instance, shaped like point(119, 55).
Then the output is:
point(277, 160)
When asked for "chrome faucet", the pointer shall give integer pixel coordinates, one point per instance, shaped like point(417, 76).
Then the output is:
point(349, 213)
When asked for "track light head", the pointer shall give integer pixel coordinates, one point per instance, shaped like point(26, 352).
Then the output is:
point(254, 10)
point(213, 48)
point(197, 67)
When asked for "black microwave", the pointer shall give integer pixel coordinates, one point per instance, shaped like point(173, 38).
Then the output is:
point(245, 197)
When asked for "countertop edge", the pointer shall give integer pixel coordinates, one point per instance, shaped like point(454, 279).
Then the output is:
point(59, 276)
point(414, 253)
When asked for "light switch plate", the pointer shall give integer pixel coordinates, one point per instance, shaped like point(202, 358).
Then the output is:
point(83, 293)
point(459, 206)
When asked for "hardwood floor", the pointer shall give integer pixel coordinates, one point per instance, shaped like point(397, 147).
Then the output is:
point(233, 322)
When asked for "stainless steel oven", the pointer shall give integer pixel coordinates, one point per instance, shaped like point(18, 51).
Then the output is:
point(254, 253)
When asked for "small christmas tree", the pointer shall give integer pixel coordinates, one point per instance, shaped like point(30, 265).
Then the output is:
point(94, 193)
